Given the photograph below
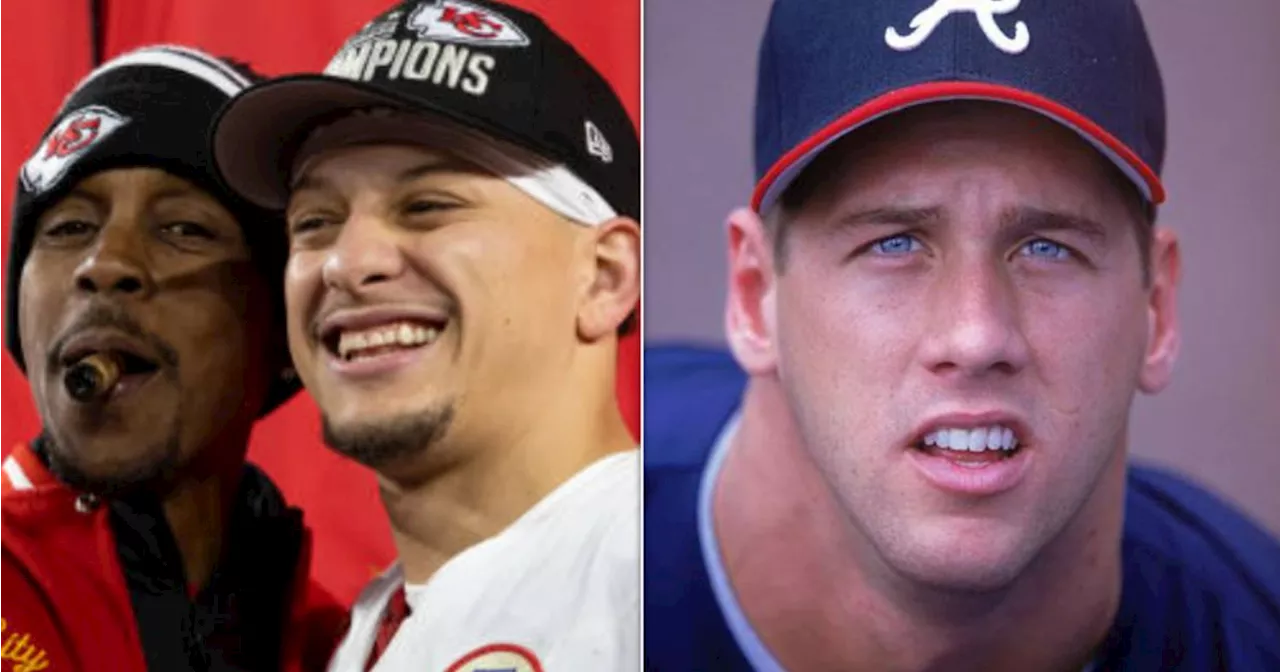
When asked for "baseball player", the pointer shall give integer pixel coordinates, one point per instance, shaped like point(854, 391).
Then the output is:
point(945, 295)
point(143, 305)
point(461, 197)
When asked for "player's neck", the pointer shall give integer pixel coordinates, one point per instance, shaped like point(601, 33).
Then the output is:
point(197, 507)
point(511, 463)
point(819, 598)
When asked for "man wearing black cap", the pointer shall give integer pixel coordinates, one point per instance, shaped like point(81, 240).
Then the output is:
point(462, 197)
point(942, 301)
point(143, 305)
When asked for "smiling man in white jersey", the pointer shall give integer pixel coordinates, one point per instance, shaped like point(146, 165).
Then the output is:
point(461, 194)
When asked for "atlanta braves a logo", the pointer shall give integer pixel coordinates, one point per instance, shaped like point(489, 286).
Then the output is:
point(462, 22)
point(66, 143)
point(985, 11)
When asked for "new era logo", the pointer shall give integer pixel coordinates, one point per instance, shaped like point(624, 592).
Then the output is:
point(597, 146)
point(924, 23)
point(462, 22)
point(66, 143)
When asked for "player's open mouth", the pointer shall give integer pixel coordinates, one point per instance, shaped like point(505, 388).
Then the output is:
point(973, 447)
point(970, 455)
point(351, 345)
point(136, 364)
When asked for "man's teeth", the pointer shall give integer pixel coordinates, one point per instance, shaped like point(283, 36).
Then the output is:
point(402, 334)
point(995, 437)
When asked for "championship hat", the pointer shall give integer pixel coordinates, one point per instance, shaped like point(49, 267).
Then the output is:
point(828, 67)
point(478, 69)
point(152, 107)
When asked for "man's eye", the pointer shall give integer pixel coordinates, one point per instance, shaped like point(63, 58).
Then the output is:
point(68, 228)
point(424, 206)
point(1045, 249)
point(188, 230)
point(306, 224)
point(896, 245)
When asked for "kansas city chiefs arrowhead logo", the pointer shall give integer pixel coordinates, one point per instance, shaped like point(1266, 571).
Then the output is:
point(66, 143)
point(465, 23)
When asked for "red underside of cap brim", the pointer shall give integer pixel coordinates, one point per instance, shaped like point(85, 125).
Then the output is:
point(911, 96)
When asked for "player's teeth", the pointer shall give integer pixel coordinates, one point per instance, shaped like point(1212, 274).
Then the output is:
point(403, 334)
point(350, 342)
point(976, 440)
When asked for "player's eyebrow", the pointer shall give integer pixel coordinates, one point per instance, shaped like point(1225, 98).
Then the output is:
point(311, 180)
point(891, 215)
point(434, 166)
point(1024, 221)
point(96, 200)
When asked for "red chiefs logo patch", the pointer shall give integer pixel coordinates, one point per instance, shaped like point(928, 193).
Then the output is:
point(66, 143)
point(76, 136)
point(473, 23)
point(465, 23)
point(498, 658)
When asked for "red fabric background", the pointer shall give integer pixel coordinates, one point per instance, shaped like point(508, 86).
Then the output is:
point(47, 48)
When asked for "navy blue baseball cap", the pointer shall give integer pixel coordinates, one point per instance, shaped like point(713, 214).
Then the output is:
point(828, 67)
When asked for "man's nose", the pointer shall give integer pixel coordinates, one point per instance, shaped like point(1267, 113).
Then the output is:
point(976, 329)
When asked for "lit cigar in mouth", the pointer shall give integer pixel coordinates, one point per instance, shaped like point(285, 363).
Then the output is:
point(92, 377)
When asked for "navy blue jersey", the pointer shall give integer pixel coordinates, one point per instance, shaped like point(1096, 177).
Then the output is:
point(1201, 581)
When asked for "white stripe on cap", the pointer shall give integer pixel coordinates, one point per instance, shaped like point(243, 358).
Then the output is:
point(558, 188)
point(210, 60)
point(17, 477)
point(183, 59)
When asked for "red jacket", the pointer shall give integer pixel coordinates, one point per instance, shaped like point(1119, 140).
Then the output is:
point(70, 603)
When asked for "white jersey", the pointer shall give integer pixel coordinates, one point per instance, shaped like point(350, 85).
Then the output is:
point(557, 591)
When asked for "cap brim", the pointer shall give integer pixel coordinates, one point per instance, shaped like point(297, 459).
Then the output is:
point(786, 169)
point(257, 134)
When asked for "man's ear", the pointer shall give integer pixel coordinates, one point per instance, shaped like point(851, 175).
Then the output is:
point(750, 309)
point(613, 287)
point(1164, 335)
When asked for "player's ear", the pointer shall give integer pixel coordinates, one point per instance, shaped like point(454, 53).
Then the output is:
point(1163, 334)
point(750, 308)
point(613, 281)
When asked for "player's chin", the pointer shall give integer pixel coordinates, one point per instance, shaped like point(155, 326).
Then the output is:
point(112, 464)
point(966, 557)
point(386, 436)
point(355, 408)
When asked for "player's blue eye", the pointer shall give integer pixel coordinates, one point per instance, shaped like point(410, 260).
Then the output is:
point(896, 245)
point(1045, 249)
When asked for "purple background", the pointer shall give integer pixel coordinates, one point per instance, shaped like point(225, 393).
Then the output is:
point(1220, 420)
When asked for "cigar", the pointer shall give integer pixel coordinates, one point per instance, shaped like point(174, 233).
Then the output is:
point(91, 378)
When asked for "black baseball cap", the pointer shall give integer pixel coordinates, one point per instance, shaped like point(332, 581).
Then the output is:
point(487, 66)
point(828, 67)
